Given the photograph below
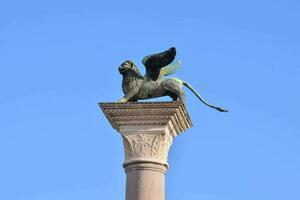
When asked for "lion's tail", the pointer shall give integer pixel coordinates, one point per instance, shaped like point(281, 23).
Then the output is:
point(199, 96)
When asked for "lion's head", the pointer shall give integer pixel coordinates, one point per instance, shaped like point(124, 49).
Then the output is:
point(128, 66)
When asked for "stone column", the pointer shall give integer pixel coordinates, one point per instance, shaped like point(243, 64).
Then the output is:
point(148, 130)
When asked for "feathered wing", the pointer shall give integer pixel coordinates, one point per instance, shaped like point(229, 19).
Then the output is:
point(170, 69)
point(155, 62)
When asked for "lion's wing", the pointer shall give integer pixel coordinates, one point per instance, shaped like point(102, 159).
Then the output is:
point(155, 62)
point(170, 69)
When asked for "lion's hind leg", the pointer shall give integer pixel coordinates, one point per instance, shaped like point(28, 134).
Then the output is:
point(174, 90)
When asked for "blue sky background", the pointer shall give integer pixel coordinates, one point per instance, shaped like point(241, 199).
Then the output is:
point(59, 58)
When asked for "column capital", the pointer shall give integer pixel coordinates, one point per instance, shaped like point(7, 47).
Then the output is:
point(147, 128)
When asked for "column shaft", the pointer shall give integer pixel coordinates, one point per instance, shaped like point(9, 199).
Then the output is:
point(145, 181)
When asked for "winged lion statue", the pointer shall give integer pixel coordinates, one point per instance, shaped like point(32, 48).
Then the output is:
point(153, 84)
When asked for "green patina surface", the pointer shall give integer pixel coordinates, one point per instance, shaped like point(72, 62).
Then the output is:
point(153, 84)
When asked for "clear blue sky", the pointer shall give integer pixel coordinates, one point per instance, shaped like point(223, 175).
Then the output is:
point(59, 58)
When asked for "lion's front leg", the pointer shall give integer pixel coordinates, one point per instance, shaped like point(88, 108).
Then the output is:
point(129, 96)
point(123, 100)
